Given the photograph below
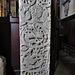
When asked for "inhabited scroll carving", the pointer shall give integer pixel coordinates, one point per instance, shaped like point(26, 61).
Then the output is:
point(35, 23)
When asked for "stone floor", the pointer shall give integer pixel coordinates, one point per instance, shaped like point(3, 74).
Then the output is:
point(66, 66)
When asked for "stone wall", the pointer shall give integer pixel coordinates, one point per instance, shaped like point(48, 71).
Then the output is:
point(35, 27)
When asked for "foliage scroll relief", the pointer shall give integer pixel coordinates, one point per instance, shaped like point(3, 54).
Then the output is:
point(35, 27)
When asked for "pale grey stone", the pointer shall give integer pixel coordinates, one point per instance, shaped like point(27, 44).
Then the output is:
point(35, 27)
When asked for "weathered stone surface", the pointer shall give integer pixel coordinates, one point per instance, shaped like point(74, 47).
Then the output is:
point(67, 9)
point(35, 26)
point(2, 65)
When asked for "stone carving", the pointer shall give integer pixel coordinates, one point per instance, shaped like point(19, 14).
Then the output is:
point(35, 23)
point(65, 3)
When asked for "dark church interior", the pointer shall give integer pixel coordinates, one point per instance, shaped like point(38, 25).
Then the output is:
point(62, 60)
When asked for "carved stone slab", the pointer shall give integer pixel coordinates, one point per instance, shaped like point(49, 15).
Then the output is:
point(35, 27)
point(67, 8)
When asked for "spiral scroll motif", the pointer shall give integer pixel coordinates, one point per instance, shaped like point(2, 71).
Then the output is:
point(35, 23)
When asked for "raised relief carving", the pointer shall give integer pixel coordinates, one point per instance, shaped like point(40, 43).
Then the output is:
point(65, 3)
point(35, 23)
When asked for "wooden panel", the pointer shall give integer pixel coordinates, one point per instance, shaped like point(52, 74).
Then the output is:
point(54, 36)
point(9, 44)
point(69, 35)
point(5, 48)
point(14, 20)
point(69, 30)
point(15, 45)
point(4, 20)
point(72, 33)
